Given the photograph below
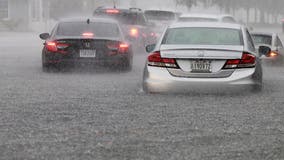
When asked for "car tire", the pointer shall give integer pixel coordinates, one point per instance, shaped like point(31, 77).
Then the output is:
point(145, 88)
point(126, 65)
point(45, 66)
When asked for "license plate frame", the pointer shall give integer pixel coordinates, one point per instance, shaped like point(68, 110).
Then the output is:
point(201, 66)
point(87, 53)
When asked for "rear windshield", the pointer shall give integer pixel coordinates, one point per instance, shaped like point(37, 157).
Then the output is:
point(132, 19)
point(99, 29)
point(203, 36)
point(160, 15)
point(196, 19)
point(262, 39)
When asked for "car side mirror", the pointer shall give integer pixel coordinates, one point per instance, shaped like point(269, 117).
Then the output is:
point(44, 36)
point(150, 48)
point(264, 50)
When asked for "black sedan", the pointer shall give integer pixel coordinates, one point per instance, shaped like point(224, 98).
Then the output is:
point(95, 41)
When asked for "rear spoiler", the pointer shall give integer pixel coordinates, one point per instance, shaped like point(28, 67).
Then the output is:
point(202, 47)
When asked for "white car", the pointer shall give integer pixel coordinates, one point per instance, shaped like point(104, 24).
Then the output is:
point(276, 56)
point(207, 18)
point(203, 54)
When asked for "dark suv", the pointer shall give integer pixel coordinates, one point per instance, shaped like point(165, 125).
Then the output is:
point(135, 26)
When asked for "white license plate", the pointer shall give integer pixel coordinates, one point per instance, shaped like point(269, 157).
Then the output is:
point(201, 66)
point(87, 53)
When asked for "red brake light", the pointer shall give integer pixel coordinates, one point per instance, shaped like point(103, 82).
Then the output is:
point(54, 46)
point(155, 59)
point(123, 47)
point(233, 63)
point(51, 46)
point(112, 11)
point(248, 60)
point(134, 32)
point(116, 47)
point(88, 34)
point(153, 34)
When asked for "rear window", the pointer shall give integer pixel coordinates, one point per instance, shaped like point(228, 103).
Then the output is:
point(160, 15)
point(262, 39)
point(124, 16)
point(99, 29)
point(203, 36)
point(132, 19)
point(197, 19)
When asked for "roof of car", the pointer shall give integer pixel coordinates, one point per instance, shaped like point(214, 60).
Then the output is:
point(206, 24)
point(197, 15)
point(85, 19)
point(156, 10)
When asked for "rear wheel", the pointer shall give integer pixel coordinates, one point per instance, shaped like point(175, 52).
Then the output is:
point(258, 78)
point(126, 65)
point(45, 66)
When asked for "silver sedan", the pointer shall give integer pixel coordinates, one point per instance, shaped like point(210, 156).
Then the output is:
point(195, 55)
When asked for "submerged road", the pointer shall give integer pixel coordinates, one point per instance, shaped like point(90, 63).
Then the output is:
point(102, 114)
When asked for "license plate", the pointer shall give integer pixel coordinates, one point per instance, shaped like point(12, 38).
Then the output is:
point(87, 53)
point(201, 66)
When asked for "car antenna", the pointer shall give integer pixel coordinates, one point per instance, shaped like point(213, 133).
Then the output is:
point(88, 21)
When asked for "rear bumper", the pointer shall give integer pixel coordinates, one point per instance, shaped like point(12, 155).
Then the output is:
point(55, 58)
point(157, 79)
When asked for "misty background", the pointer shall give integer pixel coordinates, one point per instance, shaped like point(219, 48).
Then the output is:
point(40, 15)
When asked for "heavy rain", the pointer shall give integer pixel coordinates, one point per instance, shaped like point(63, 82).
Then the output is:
point(142, 80)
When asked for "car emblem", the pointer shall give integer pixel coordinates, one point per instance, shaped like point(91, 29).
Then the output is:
point(201, 53)
point(88, 45)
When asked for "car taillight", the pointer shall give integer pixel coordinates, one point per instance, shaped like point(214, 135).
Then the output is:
point(123, 48)
point(88, 34)
point(152, 34)
point(54, 46)
point(116, 47)
point(134, 32)
point(112, 11)
point(233, 63)
point(247, 61)
point(273, 54)
point(51, 46)
point(155, 59)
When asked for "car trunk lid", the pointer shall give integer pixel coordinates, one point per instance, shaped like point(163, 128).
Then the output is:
point(201, 61)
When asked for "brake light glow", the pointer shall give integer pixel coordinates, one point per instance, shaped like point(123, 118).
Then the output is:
point(153, 34)
point(155, 59)
point(247, 61)
point(112, 11)
point(88, 34)
point(117, 47)
point(51, 46)
point(134, 32)
point(273, 54)
point(123, 47)
point(54, 46)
